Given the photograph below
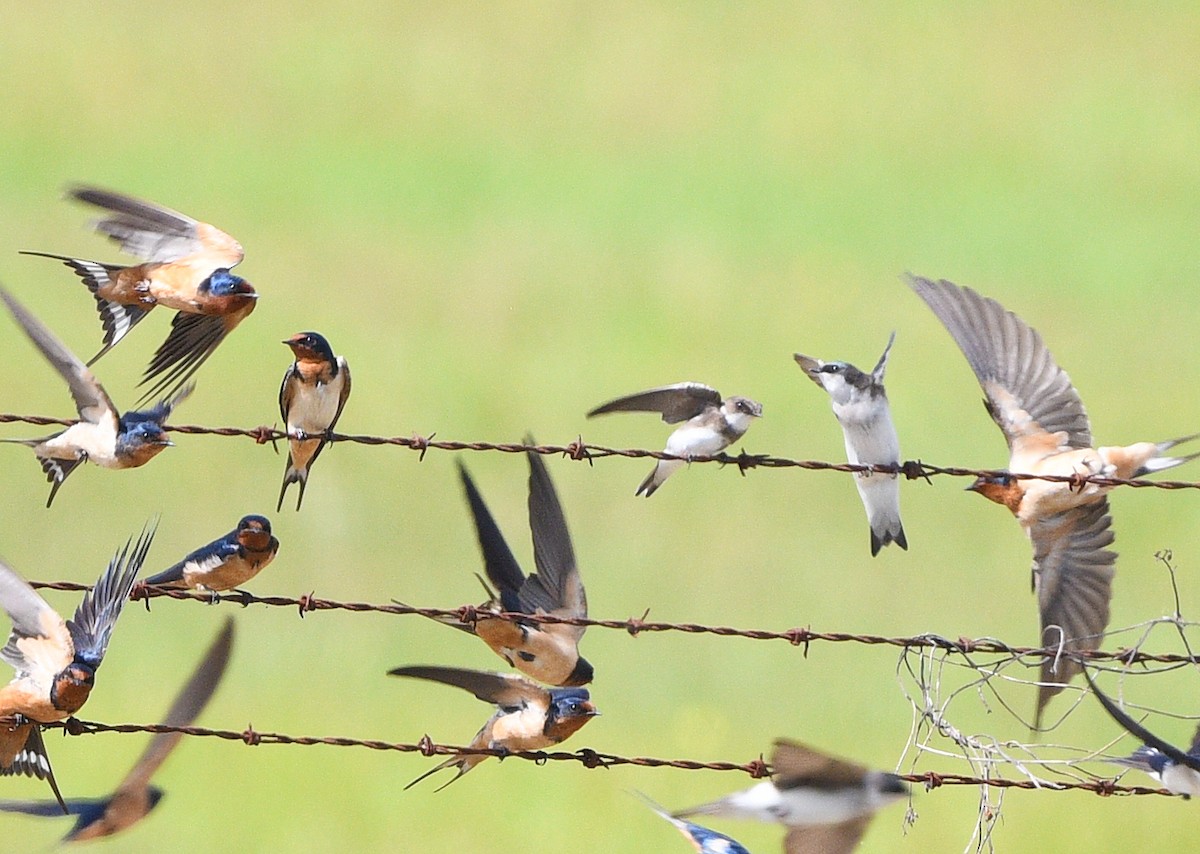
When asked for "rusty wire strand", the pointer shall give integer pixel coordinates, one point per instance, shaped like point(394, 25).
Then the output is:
point(585, 756)
point(580, 450)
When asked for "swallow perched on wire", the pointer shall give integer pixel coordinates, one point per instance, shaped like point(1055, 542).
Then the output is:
point(703, 840)
point(825, 802)
point(861, 406)
point(527, 717)
point(549, 652)
point(1032, 401)
point(103, 435)
point(711, 424)
point(314, 392)
point(1177, 770)
point(185, 266)
point(225, 563)
point(56, 660)
point(135, 797)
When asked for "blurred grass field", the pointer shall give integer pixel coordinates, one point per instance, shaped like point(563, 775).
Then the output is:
point(504, 215)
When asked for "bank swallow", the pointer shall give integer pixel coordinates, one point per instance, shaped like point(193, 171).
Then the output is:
point(56, 660)
point(185, 266)
point(825, 802)
point(314, 392)
point(103, 435)
point(135, 797)
point(711, 424)
point(527, 717)
point(861, 406)
point(1032, 401)
point(703, 840)
point(225, 563)
point(1177, 770)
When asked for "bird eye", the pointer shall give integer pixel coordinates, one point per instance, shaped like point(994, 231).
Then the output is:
point(831, 369)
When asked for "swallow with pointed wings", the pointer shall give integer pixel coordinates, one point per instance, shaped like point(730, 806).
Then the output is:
point(1041, 415)
point(103, 435)
point(711, 424)
point(225, 563)
point(135, 797)
point(314, 392)
point(185, 266)
point(527, 717)
point(825, 802)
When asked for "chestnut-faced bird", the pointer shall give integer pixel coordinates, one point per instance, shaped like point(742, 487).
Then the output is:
point(225, 563)
point(314, 392)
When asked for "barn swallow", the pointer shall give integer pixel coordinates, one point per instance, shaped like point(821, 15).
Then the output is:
point(1032, 401)
point(861, 406)
point(185, 266)
point(549, 652)
point(703, 840)
point(527, 717)
point(103, 435)
point(56, 660)
point(1179, 772)
point(226, 563)
point(825, 802)
point(135, 797)
point(314, 392)
point(712, 424)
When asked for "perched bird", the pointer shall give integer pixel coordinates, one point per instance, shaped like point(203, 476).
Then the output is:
point(135, 797)
point(712, 424)
point(226, 563)
point(1032, 401)
point(103, 435)
point(825, 802)
point(314, 392)
point(861, 406)
point(1179, 772)
point(703, 840)
point(56, 660)
point(549, 652)
point(185, 266)
point(527, 717)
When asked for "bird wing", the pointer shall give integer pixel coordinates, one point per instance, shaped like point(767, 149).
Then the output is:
point(192, 339)
point(498, 561)
point(1135, 728)
point(1073, 573)
point(504, 689)
point(187, 706)
point(344, 370)
point(826, 838)
point(92, 625)
point(91, 401)
point(40, 643)
point(1027, 392)
point(556, 587)
point(797, 764)
point(679, 402)
point(155, 233)
point(881, 365)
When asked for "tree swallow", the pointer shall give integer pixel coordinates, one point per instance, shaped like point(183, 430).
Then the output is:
point(703, 840)
point(825, 802)
point(134, 797)
point(861, 406)
point(528, 716)
point(711, 424)
point(185, 267)
point(103, 436)
point(314, 392)
point(225, 563)
point(1032, 401)
point(549, 652)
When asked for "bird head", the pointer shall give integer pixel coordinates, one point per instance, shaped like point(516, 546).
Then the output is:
point(254, 532)
point(310, 346)
point(1002, 489)
point(222, 283)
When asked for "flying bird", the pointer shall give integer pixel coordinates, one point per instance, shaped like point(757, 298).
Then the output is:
point(527, 717)
point(710, 424)
point(225, 563)
point(135, 797)
point(703, 840)
point(1177, 770)
point(549, 652)
point(314, 392)
point(56, 660)
point(825, 802)
point(861, 406)
point(1032, 401)
point(103, 435)
point(185, 266)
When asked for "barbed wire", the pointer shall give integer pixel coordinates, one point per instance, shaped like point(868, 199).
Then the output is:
point(589, 758)
point(580, 450)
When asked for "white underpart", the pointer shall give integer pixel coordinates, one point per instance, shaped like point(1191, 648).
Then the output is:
point(802, 806)
point(98, 441)
point(1180, 779)
point(314, 407)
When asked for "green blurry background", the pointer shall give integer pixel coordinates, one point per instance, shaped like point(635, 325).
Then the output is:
point(504, 215)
